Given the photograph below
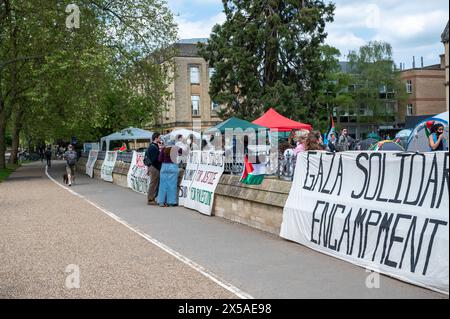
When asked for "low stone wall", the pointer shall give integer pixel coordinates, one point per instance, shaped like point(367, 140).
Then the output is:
point(259, 206)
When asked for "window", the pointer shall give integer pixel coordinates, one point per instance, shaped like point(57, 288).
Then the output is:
point(214, 106)
point(195, 75)
point(409, 110)
point(409, 86)
point(195, 102)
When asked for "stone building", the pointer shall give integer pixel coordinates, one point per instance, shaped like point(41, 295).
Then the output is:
point(444, 38)
point(191, 104)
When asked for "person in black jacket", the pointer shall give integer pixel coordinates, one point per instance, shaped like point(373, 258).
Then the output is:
point(154, 168)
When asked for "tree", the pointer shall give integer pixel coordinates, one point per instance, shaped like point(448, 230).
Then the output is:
point(58, 82)
point(266, 54)
point(376, 82)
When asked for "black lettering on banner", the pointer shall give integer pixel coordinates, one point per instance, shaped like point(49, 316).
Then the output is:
point(385, 225)
point(394, 238)
point(369, 223)
point(400, 179)
point(378, 155)
point(319, 174)
point(444, 179)
point(324, 190)
point(414, 202)
point(414, 257)
point(326, 226)
point(339, 176)
point(359, 221)
point(330, 227)
point(379, 198)
point(364, 170)
point(436, 223)
point(314, 220)
point(308, 188)
point(432, 179)
point(323, 221)
point(346, 230)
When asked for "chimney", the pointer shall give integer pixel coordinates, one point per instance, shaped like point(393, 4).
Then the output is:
point(414, 62)
point(442, 57)
point(421, 62)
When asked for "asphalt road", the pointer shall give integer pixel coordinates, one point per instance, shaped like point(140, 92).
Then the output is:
point(46, 224)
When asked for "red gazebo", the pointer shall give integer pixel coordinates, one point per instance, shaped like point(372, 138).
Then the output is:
point(275, 121)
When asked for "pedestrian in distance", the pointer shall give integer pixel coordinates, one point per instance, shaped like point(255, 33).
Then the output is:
point(343, 144)
point(48, 156)
point(71, 158)
point(151, 160)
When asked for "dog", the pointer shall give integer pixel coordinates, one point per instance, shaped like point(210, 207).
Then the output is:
point(65, 179)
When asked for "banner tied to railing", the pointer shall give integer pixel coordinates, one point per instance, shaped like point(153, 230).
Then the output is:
point(138, 178)
point(202, 174)
point(91, 163)
point(108, 166)
point(384, 211)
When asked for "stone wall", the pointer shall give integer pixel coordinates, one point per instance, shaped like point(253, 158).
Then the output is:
point(260, 207)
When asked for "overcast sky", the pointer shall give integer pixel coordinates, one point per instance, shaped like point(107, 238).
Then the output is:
point(412, 27)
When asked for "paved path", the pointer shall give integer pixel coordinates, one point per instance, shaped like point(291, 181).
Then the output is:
point(260, 264)
point(44, 228)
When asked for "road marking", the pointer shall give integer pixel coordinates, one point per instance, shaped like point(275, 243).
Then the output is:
point(205, 272)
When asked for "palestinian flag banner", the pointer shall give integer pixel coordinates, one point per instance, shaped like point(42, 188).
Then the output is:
point(123, 148)
point(331, 129)
point(253, 174)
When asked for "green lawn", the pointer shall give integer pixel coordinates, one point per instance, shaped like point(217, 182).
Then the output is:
point(4, 173)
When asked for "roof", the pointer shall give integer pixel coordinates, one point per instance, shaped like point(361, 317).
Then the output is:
point(130, 133)
point(274, 120)
point(189, 47)
point(444, 36)
point(235, 123)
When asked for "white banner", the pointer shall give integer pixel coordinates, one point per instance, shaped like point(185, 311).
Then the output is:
point(200, 184)
point(91, 162)
point(138, 179)
point(108, 166)
point(192, 163)
point(384, 211)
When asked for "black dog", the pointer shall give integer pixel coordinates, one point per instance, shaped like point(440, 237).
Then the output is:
point(65, 178)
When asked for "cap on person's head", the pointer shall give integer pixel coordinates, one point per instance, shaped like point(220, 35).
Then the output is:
point(155, 136)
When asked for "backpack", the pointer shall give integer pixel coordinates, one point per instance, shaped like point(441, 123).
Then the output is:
point(71, 158)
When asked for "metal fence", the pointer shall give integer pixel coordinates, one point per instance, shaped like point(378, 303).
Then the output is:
point(276, 166)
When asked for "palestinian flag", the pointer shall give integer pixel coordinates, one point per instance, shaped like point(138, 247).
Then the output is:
point(428, 126)
point(331, 130)
point(253, 174)
point(123, 148)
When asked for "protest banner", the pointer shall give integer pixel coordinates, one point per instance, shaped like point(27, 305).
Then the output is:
point(91, 162)
point(199, 183)
point(384, 211)
point(108, 166)
point(137, 178)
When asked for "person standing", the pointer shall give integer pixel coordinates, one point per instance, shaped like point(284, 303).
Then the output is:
point(436, 139)
point(168, 182)
point(71, 159)
point(332, 143)
point(151, 160)
point(48, 156)
point(343, 142)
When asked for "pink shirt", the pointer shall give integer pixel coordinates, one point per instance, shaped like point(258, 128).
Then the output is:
point(300, 148)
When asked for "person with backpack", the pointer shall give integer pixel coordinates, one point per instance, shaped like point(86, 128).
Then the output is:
point(151, 160)
point(70, 156)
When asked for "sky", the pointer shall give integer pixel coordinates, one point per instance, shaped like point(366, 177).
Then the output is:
point(412, 27)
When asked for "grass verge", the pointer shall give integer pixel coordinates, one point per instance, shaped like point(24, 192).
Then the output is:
point(5, 172)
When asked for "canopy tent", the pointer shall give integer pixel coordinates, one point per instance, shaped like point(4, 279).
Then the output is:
point(275, 121)
point(235, 123)
point(418, 140)
point(128, 134)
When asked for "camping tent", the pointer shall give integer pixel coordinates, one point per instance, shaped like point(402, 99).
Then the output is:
point(275, 121)
point(387, 145)
point(235, 123)
point(418, 140)
point(128, 134)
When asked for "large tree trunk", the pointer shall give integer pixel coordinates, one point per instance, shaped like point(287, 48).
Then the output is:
point(17, 126)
